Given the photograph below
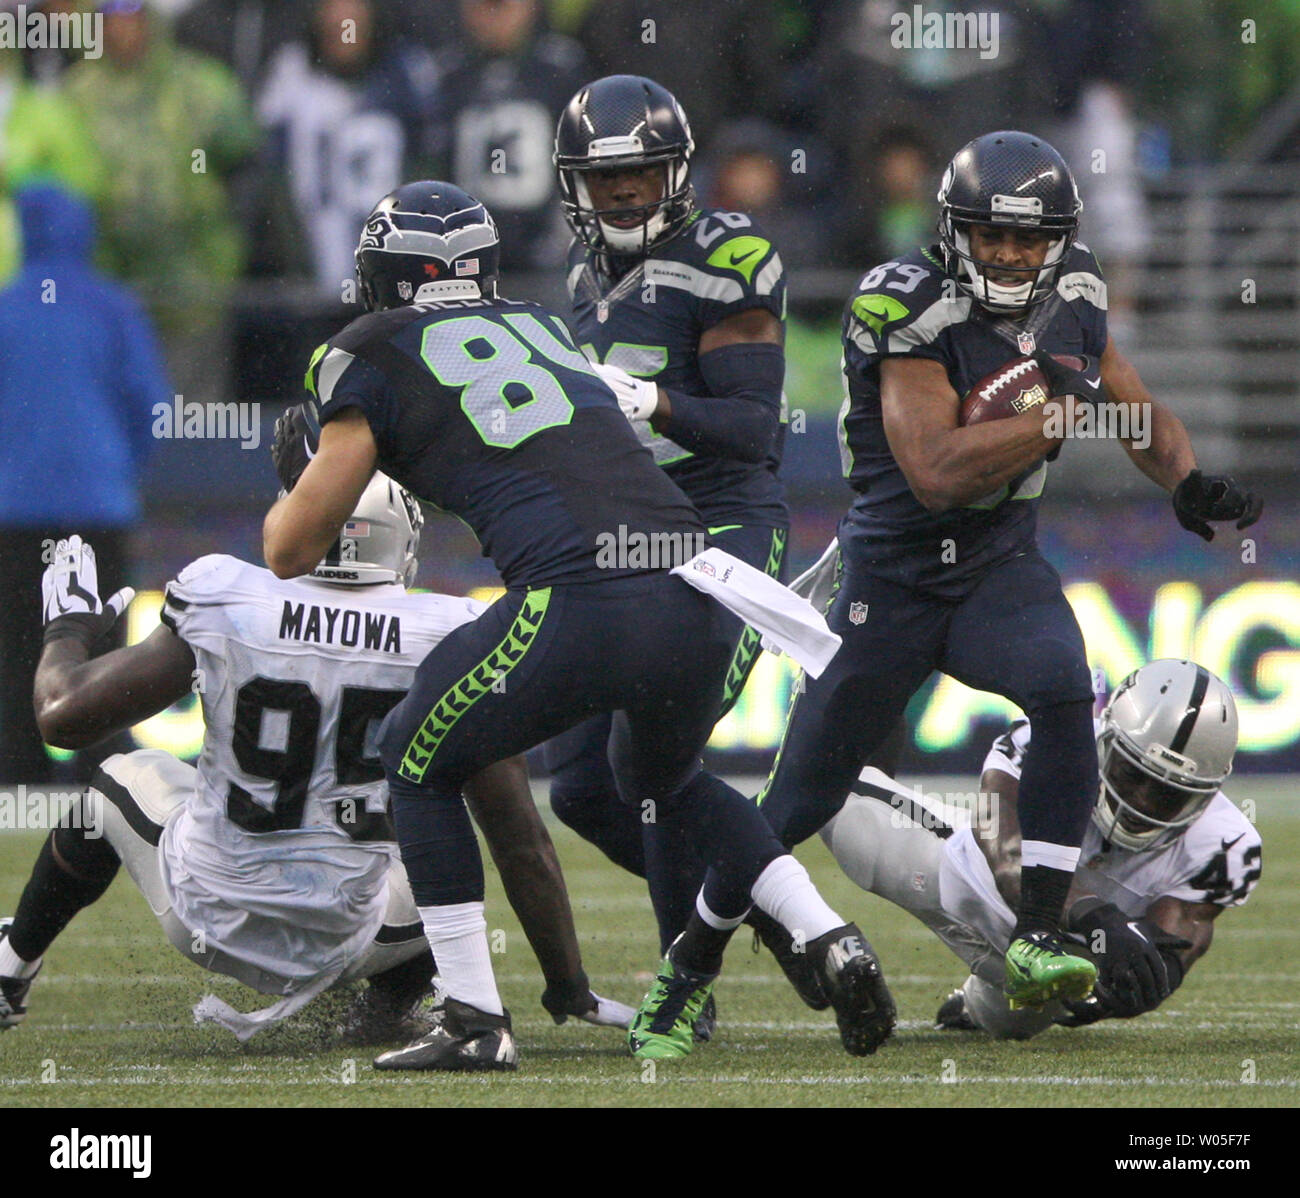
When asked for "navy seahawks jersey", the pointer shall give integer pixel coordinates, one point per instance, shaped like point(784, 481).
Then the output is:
point(649, 322)
point(487, 409)
point(912, 308)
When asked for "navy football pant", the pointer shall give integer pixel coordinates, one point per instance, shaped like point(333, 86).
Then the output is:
point(534, 664)
point(1014, 634)
point(584, 794)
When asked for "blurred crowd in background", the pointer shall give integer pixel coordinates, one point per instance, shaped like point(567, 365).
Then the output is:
point(230, 140)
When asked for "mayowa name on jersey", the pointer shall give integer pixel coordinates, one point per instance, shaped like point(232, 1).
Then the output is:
point(371, 629)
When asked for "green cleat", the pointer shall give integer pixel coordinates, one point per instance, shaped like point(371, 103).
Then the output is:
point(664, 1025)
point(1040, 969)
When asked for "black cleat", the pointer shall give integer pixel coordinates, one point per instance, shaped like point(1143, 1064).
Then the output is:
point(800, 968)
point(706, 1022)
point(864, 1008)
point(13, 991)
point(953, 1016)
point(463, 1040)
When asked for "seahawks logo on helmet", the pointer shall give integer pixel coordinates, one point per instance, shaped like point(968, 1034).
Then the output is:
point(429, 236)
point(375, 233)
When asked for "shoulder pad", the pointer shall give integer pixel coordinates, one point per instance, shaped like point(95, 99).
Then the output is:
point(1081, 278)
point(903, 304)
point(729, 245)
point(209, 575)
point(1225, 850)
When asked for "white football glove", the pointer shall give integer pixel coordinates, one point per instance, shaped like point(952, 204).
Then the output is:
point(609, 1013)
point(70, 587)
point(638, 398)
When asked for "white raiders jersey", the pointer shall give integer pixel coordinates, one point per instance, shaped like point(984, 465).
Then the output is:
point(1216, 860)
point(281, 856)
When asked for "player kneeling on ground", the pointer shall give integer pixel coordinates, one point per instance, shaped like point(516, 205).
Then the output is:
point(274, 861)
point(1166, 852)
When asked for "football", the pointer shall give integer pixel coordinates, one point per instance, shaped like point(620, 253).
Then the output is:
point(1013, 388)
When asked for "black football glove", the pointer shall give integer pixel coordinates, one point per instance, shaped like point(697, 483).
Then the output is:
point(297, 437)
point(70, 597)
point(1083, 1011)
point(1084, 384)
point(1138, 962)
point(1201, 497)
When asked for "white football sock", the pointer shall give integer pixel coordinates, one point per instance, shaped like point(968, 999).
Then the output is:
point(457, 934)
point(785, 891)
point(13, 966)
point(716, 921)
point(1055, 856)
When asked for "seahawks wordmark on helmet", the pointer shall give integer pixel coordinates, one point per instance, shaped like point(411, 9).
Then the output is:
point(1007, 178)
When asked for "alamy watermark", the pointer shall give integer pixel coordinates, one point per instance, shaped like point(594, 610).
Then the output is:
point(23, 30)
point(24, 810)
point(921, 30)
point(625, 550)
point(1078, 420)
point(193, 421)
point(934, 810)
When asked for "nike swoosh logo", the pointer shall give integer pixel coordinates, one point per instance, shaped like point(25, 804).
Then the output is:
point(1227, 844)
point(1094, 385)
point(1137, 931)
point(743, 258)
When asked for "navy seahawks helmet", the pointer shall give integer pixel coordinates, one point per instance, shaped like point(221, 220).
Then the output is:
point(422, 233)
point(1007, 178)
point(624, 121)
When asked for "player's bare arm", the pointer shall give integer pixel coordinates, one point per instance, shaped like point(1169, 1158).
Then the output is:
point(301, 526)
point(1194, 922)
point(1168, 458)
point(501, 803)
point(79, 702)
point(947, 466)
point(1002, 851)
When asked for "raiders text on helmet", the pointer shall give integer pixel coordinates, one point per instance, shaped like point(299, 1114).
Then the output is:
point(624, 121)
point(379, 541)
point(431, 238)
point(1166, 744)
point(1007, 178)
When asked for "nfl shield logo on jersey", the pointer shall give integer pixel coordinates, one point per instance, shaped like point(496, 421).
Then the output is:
point(857, 613)
point(1026, 342)
point(404, 289)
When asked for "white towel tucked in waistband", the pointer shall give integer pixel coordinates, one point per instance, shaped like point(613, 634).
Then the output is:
point(789, 623)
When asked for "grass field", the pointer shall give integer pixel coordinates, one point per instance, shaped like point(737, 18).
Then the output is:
point(109, 1022)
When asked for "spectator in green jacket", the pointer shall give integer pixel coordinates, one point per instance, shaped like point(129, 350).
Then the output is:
point(42, 137)
point(172, 125)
